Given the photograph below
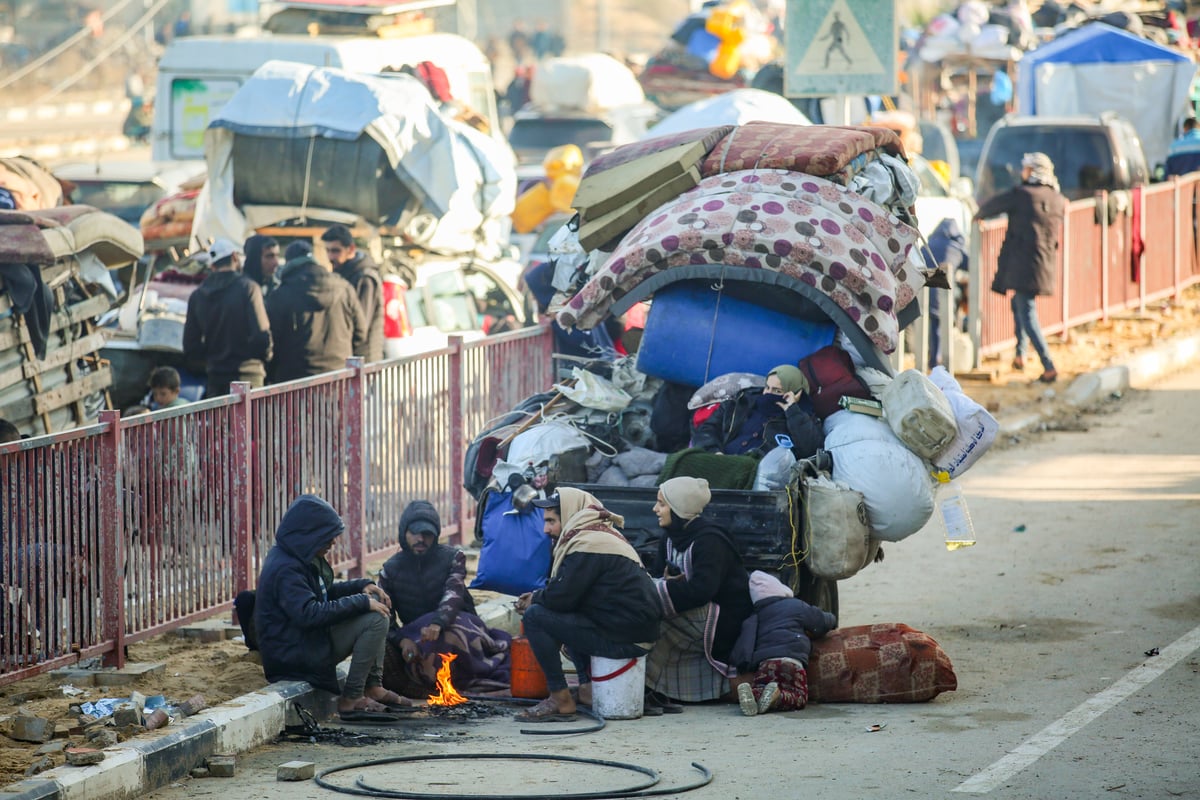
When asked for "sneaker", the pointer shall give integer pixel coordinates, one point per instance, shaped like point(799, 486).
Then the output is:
point(768, 698)
point(746, 700)
point(1049, 376)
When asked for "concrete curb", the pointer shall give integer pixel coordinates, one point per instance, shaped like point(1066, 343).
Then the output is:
point(143, 765)
point(1138, 370)
point(68, 110)
point(71, 149)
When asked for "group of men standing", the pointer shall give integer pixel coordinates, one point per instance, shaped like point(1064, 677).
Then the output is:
point(257, 321)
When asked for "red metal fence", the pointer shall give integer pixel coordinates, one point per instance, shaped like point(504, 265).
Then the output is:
point(1099, 272)
point(120, 531)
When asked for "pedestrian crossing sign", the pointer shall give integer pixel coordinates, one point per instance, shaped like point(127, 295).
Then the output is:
point(840, 47)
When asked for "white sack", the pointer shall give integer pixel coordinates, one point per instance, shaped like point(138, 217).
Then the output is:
point(591, 82)
point(869, 458)
point(536, 445)
point(919, 413)
point(977, 428)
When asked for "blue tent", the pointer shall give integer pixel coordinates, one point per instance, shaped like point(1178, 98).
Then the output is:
point(1101, 68)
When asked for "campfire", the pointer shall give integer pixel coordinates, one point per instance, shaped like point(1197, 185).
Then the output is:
point(446, 695)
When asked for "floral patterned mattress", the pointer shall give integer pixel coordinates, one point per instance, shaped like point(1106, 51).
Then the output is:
point(854, 251)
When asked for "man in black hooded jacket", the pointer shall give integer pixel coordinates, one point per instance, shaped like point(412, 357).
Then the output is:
point(226, 327)
point(315, 319)
point(306, 622)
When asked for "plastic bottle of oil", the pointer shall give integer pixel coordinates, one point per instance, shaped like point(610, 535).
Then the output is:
point(955, 516)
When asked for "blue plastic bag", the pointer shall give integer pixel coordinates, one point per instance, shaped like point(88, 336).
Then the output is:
point(516, 552)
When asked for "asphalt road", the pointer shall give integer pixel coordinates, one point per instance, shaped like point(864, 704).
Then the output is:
point(1087, 560)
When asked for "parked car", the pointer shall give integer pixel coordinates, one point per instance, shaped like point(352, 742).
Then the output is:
point(1090, 154)
point(127, 188)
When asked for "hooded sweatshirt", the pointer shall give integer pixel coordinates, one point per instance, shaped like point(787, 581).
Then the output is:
point(363, 274)
point(298, 601)
point(596, 573)
point(227, 327)
point(315, 319)
point(433, 581)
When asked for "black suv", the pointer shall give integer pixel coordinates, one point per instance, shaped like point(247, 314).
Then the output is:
point(1090, 154)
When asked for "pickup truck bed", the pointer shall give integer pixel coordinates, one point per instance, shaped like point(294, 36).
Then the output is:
point(767, 527)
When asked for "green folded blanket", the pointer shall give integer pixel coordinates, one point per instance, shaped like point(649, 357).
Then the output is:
point(721, 471)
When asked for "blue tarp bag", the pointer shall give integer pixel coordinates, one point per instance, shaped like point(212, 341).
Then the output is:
point(515, 557)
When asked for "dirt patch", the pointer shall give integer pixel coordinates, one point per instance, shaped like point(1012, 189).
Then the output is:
point(220, 671)
point(1005, 391)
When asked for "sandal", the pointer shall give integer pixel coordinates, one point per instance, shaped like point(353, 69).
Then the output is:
point(545, 711)
point(394, 702)
point(1049, 376)
point(659, 700)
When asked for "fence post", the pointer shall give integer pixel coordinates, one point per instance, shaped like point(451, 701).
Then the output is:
point(1140, 194)
point(1066, 282)
point(242, 473)
point(1104, 254)
point(112, 540)
point(457, 445)
point(1178, 228)
point(356, 465)
point(548, 354)
point(975, 294)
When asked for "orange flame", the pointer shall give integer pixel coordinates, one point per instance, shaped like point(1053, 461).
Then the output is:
point(446, 695)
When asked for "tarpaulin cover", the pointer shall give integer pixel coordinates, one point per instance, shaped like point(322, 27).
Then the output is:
point(731, 108)
point(1100, 68)
point(463, 181)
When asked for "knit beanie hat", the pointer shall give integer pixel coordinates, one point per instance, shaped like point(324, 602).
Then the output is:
point(686, 496)
point(420, 517)
point(790, 378)
point(764, 585)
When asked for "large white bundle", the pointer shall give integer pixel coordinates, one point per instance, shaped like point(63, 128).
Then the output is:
point(869, 458)
point(591, 82)
point(977, 428)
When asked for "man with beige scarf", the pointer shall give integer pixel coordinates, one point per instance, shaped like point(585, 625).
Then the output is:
point(599, 601)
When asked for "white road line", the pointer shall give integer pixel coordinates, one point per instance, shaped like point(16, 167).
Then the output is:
point(1074, 720)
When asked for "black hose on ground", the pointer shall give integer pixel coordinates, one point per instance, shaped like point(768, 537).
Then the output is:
point(362, 789)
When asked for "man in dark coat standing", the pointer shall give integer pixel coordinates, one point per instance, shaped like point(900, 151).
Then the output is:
point(315, 319)
point(307, 623)
point(226, 327)
point(362, 272)
point(1029, 255)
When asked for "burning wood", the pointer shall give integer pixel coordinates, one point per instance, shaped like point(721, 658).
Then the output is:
point(446, 695)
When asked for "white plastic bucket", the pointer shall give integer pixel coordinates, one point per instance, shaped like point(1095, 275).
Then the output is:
point(618, 687)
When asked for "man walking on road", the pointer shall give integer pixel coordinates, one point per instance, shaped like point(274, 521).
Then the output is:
point(315, 319)
point(227, 328)
point(363, 274)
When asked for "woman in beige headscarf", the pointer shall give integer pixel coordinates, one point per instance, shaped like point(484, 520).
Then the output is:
point(599, 600)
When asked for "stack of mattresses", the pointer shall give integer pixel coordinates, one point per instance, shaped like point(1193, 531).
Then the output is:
point(54, 283)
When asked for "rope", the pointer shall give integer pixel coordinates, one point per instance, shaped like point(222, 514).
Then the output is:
point(104, 54)
point(75, 37)
point(719, 288)
point(312, 141)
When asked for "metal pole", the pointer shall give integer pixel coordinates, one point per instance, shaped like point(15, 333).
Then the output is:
point(1104, 255)
point(356, 465)
point(975, 295)
point(242, 496)
point(112, 541)
point(457, 445)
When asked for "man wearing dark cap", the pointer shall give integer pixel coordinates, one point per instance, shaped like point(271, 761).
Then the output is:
point(427, 584)
point(227, 329)
point(599, 600)
point(357, 267)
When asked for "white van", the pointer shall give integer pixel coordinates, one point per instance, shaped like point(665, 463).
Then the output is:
point(198, 74)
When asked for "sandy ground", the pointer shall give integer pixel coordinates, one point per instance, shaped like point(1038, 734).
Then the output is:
point(222, 671)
